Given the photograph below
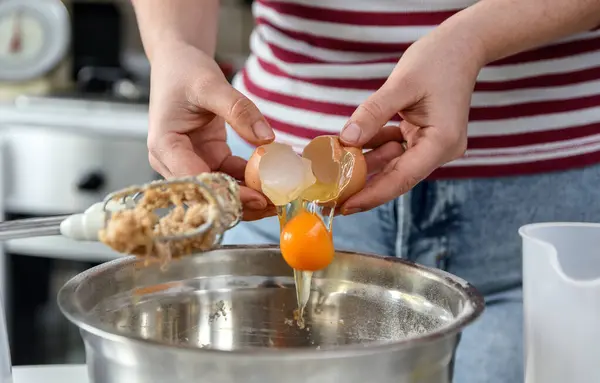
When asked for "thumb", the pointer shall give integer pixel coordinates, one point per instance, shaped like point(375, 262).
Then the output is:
point(240, 113)
point(372, 115)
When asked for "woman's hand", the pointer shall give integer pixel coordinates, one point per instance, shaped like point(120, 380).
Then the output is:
point(189, 103)
point(430, 89)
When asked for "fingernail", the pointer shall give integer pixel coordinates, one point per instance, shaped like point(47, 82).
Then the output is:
point(351, 133)
point(257, 205)
point(351, 211)
point(262, 130)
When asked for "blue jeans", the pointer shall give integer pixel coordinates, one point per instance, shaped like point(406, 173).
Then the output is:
point(468, 228)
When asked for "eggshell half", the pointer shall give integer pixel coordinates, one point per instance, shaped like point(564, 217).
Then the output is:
point(328, 156)
point(251, 175)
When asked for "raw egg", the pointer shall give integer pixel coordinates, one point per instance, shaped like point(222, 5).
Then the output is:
point(306, 243)
point(303, 188)
point(327, 172)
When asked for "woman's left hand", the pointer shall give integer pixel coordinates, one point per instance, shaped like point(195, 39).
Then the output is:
point(430, 89)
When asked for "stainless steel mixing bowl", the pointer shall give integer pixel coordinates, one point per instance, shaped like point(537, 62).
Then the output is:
point(226, 316)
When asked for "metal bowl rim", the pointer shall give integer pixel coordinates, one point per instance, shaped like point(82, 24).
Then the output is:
point(476, 300)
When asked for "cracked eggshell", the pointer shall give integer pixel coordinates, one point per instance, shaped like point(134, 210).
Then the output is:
point(358, 178)
point(330, 157)
point(279, 173)
point(251, 175)
point(326, 158)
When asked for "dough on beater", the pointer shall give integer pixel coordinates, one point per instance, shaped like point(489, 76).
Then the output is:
point(140, 231)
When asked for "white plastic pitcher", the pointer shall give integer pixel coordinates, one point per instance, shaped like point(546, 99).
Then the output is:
point(561, 294)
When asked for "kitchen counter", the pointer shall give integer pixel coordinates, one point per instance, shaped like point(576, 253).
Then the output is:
point(50, 374)
point(104, 118)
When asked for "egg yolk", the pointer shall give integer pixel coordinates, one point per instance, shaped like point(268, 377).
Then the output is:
point(306, 244)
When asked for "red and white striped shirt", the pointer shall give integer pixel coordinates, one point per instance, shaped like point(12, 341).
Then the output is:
point(314, 61)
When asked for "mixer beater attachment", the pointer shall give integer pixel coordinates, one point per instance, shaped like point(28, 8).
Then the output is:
point(164, 219)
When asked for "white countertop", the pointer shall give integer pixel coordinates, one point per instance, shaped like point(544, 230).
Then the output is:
point(50, 374)
point(102, 118)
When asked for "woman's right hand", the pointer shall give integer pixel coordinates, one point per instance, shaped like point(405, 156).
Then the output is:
point(190, 101)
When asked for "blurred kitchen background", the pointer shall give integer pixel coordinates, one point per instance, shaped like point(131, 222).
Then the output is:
point(73, 119)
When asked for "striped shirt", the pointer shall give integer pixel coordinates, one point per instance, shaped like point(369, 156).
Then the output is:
point(314, 61)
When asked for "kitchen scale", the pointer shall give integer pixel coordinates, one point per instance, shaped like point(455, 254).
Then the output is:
point(35, 37)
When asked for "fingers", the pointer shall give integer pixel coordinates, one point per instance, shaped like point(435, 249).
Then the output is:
point(373, 114)
point(241, 113)
point(173, 155)
point(252, 199)
point(386, 145)
point(158, 166)
point(254, 215)
point(255, 205)
point(234, 166)
point(385, 134)
point(402, 173)
point(378, 158)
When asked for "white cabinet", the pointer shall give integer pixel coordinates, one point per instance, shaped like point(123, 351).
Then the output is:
point(60, 156)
